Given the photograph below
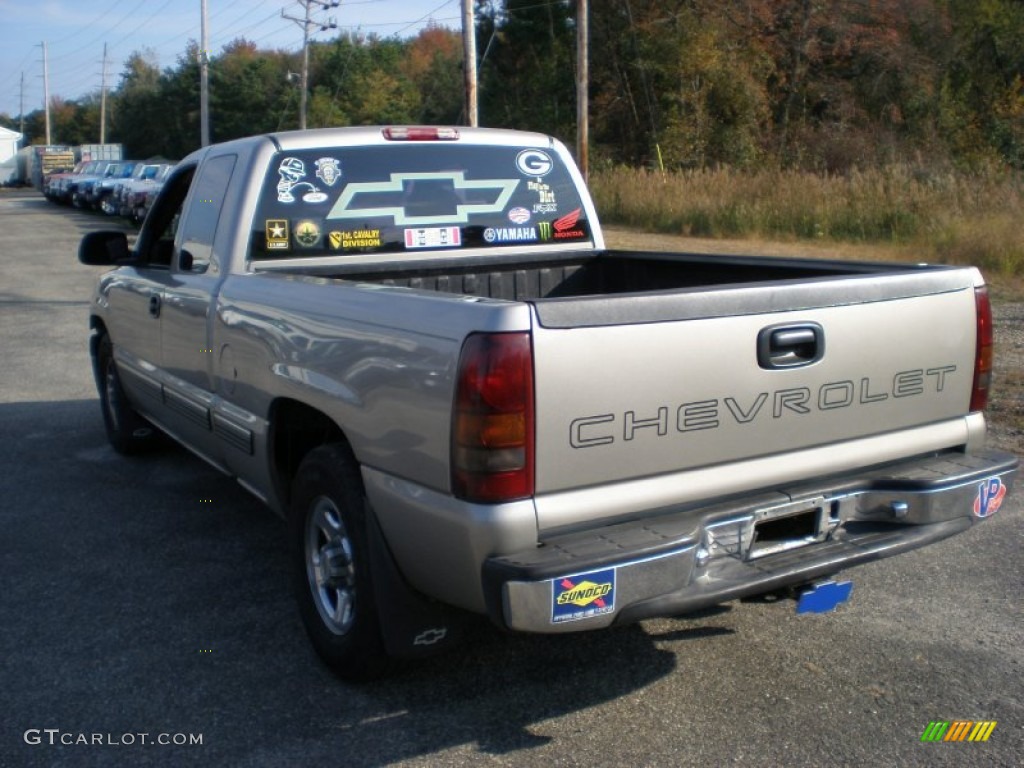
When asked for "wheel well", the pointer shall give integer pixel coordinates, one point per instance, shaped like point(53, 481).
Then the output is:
point(295, 430)
point(98, 331)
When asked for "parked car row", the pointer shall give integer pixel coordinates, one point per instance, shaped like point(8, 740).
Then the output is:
point(118, 188)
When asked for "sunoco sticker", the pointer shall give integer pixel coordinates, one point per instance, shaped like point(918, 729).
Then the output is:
point(582, 596)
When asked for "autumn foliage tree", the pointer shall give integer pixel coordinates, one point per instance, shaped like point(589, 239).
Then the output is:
point(814, 84)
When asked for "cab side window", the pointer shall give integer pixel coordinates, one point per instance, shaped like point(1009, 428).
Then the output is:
point(200, 225)
point(156, 242)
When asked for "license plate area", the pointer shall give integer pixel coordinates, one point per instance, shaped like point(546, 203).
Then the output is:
point(786, 527)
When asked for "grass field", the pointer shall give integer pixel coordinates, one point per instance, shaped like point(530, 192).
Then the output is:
point(949, 217)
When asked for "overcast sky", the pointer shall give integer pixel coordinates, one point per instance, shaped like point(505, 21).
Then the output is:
point(75, 31)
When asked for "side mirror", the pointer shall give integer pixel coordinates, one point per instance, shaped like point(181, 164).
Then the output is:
point(189, 263)
point(104, 249)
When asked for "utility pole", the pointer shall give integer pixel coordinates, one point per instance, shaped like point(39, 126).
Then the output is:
point(469, 61)
point(204, 80)
point(46, 92)
point(307, 23)
point(582, 80)
point(103, 99)
point(21, 107)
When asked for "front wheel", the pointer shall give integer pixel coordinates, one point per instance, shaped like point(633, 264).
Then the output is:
point(128, 432)
point(330, 564)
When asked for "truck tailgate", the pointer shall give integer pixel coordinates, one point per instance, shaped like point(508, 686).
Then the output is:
point(672, 396)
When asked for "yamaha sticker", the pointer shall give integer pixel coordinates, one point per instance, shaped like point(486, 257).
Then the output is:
point(510, 234)
point(989, 498)
point(582, 596)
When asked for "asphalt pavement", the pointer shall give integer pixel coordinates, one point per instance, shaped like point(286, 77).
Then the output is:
point(147, 618)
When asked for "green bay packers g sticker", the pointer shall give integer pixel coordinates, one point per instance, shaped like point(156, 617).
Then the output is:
point(582, 596)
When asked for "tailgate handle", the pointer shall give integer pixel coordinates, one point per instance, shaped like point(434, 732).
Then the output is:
point(790, 346)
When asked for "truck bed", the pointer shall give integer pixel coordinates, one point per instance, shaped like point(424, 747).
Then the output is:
point(590, 274)
point(620, 287)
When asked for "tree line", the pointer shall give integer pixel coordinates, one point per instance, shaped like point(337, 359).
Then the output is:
point(811, 84)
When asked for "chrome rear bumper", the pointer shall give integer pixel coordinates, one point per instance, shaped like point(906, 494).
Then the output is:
point(680, 560)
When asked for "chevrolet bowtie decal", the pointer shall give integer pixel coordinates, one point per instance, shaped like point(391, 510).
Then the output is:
point(365, 199)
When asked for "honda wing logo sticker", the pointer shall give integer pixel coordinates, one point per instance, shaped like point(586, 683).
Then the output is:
point(356, 202)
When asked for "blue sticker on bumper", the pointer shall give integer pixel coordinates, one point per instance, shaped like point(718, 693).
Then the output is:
point(582, 596)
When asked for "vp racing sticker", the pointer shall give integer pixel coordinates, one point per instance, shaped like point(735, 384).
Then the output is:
point(582, 596)
point(990, 497)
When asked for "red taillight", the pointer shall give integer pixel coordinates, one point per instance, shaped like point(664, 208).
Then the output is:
point(492, 421)
point(983, 351)
point(419, 133)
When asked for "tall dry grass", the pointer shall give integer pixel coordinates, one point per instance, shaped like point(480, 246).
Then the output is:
point(951, 217)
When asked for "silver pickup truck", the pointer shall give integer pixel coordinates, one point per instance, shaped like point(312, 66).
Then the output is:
point(414, 345)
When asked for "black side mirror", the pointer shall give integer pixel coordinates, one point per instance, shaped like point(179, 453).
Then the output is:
point(104, 249)
point(189, 263)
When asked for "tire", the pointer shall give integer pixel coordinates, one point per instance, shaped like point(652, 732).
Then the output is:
point(330, 564)
point(128, 432)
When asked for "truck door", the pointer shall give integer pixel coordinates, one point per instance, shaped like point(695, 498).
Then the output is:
point(136, 302)
point(196, 269)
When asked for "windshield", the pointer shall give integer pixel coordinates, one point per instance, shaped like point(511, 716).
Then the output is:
point(414, 197)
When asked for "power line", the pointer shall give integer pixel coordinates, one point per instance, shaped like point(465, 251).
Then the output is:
point(308, 24)
point(128, 18)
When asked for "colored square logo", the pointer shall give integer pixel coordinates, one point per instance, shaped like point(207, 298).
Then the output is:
point(582, 596)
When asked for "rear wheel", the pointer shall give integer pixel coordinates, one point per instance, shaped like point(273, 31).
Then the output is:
point(331, 569)
point(128, 432)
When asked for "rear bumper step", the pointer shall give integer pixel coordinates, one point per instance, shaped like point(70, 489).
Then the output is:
point(683, 560)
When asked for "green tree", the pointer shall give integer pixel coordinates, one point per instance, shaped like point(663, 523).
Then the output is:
point(250, 91)
point(432, 64)
point(137, 108)
point(527, 66)
point(983, 102)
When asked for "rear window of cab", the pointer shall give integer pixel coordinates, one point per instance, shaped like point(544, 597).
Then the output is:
point(414, 197)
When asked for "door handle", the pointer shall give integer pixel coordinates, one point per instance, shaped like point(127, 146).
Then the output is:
point(154, 305)
point(790, 346)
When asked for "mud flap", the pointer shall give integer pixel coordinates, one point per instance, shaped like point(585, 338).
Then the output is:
point(824, 597)
point(412, 626)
